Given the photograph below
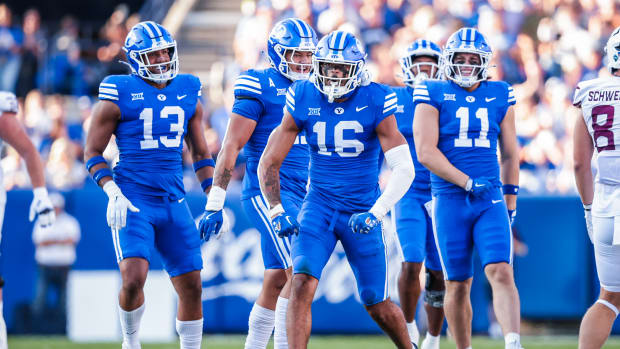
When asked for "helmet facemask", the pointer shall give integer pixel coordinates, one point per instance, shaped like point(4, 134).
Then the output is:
point(465, 74)
point(157, 72)
point(416, 72)
point(286, 66)
point(333, 86)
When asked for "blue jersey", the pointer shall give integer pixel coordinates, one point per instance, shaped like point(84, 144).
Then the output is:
point(404, 117)
point(469, 126)
point(267, 88)
point(344, 147)
point(150, 132)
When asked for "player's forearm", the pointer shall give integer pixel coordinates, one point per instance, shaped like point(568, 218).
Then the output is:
point(225, 165)
point(434, 160)
point(585, 183)
point(400, 162)
point(269, 178)
point(34, 166)
point(510, 175)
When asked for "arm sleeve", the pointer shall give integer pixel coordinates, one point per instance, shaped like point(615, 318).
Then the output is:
point(400, 162)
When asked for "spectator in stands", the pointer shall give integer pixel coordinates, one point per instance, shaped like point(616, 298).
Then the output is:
point(55, 254)
point(10, 48)
point(33, 52)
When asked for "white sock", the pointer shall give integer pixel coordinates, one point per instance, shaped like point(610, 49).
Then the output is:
point(513, 340)
point(130, 325)
point(260, 325)
point(190, 333)
point(3, 344)
point(414, 334)
point(279, 334)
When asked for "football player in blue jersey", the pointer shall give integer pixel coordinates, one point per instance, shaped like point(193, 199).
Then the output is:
point(412, 220)
point(259, 99)
point(151, 111)
point(12, 132)
point(457, 128)
point(347, 121)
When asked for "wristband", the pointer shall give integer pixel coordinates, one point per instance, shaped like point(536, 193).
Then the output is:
point(206, 183)
point(510, 189)
point(468, 185)
point(276, 210)
point(587, 207)
point(217, 196)
point(100, 173)
point(203, 163)
point(94, 161)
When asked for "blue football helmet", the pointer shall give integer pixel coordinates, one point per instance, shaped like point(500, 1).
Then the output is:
point(147, 37)
point(287, 37)
point(466, 40)
point(340, 51)
point(412, 72)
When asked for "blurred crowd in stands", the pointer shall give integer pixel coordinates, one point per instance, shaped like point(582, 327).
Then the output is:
point(542, 47)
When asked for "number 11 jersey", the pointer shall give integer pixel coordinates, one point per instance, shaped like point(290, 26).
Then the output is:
point(469, 126)
point(150, 132)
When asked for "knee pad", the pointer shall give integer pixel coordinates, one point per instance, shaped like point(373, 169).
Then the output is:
point(434, 298)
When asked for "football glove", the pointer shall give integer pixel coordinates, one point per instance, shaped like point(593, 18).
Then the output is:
point(511, 216)
point(283, 224)
point(42, 207)
point(478, 187)
point(363, 223)
point(213, 223)
point(587, 209)
point(118, 205)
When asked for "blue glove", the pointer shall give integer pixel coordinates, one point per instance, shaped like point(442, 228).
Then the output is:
point(285, 225)
point(363, 223)
point(511, 215)
point(210, 224)
point(478, 187)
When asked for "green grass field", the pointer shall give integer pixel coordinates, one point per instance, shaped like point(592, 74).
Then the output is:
point(316, 342)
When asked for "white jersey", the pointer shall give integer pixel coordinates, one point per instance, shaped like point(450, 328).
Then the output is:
point(599, 100)
point(8, 104)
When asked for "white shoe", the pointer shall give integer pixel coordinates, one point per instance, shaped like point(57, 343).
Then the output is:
point(126, 345)
point(427, 345)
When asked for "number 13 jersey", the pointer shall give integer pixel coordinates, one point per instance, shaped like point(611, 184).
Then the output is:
point(469, 126)
point(150, 132)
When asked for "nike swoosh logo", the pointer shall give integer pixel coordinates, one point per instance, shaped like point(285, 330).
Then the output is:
point(360, 109)
point(181, 200)
point(478, 185)
point(496, 201)
point(181, 97)
point(489, 99)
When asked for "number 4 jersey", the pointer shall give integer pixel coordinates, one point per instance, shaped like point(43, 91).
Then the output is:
point(150, 132)
point(599, 100)
point(469, 126)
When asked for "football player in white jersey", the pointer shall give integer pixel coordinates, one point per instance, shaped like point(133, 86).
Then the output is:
point(11, 131)
point(599, 100)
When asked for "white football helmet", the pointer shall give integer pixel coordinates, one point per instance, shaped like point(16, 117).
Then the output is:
point(612, 50)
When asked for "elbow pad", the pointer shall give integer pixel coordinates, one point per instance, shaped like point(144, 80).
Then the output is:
point(400, 162)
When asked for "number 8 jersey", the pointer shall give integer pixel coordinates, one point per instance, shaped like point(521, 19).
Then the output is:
point(150, 131)
point(469, 126)
point(599, 100)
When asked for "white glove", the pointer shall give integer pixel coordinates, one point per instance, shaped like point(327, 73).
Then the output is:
point(587, 209)
point(42, 206)
point(117, 206)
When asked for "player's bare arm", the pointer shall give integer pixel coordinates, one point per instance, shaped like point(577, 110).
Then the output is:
point(509, 151)
point(13, 133)
point(278, 146)
point(582, 157)
point(388, 134)
point(197, 144)
point(426, 135)
point(103, 123)
point(238, 132)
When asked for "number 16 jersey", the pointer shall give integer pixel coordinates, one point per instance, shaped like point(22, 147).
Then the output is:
point(469, 126)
